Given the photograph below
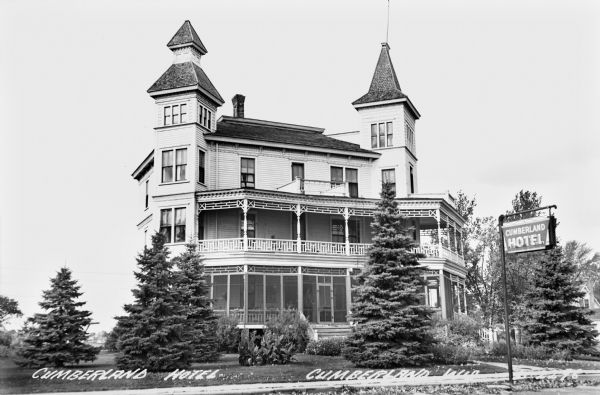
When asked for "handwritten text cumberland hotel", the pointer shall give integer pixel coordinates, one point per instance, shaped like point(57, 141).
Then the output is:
point(281, 212)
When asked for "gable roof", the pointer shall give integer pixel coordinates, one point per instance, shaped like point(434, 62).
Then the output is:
point(187, 36)
point(384, 85)
point(304, 137)
point(186, 75)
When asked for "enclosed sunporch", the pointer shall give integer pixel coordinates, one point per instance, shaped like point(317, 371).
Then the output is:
point(256, 294)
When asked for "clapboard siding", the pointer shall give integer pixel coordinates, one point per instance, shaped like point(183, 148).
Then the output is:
point(274, 166)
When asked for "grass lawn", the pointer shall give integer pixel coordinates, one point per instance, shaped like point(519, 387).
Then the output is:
point(550, 363)
point(14, 379)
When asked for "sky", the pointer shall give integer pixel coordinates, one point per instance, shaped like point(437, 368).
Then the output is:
point(507, 91)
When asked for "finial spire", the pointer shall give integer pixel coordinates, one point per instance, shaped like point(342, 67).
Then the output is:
point(387, 29)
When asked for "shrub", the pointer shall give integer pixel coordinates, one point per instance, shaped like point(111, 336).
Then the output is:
point(450, 355)
point(329, 346)
point(228, 335)
point(271, 349)
point(292, 327)
point(531, 352)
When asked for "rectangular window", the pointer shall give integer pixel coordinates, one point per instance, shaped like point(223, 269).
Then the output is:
point(179, 225)
point(337, 231)
point(412, 180)
point(183, 113)
point(389, 177)
point(175, 114)
point(166, 224)
point(374, 135)
point(167, 166)
point(177, 232)
point(167, 116)
point(247, 173)
point(297, 171)
point(147, 197)
point(352, 180)
point(181, 163)
point(381, 135)
point(201, 225)
point(201, 157)
point(251, 225)
point(204, 116)
point(337, 176)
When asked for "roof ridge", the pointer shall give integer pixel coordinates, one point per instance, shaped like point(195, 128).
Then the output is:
point(272, 124)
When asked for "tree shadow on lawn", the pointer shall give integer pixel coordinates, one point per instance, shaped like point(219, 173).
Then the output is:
point(14, 379)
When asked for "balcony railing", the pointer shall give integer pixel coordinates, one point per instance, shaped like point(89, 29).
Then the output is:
point(313, 247)
point(316, 187)
point(280, 245)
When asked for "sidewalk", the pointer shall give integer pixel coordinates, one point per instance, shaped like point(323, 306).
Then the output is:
point(520, 372)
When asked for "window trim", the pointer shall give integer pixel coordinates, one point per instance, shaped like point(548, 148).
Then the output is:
point(173, 226)
point(172, 112)
point(201, 166)
point(205, 116)
point(147, 194)
point(174, 176)
point(387, 136)
point(245, 185)
point(393, 170)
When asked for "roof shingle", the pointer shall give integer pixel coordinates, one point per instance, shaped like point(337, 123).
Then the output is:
point(250, 129)
point(186, 35)
point(384, 85)
point(182, 75)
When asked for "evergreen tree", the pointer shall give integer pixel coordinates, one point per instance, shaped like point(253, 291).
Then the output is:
point(57, 337)
point(193, 293)
point(557, 321)
point(151, 335)
point(393, 325)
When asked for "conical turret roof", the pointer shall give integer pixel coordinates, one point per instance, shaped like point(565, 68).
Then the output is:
point(187, 36)
point(384, 85)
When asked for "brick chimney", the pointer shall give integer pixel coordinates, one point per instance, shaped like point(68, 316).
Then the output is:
point(238, 105)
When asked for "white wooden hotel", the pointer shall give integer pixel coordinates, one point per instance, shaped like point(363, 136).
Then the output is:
point(281, 212)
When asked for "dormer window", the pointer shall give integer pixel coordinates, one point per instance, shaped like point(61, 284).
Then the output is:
point(204, 116)
point(175, 114)
point(382, 135)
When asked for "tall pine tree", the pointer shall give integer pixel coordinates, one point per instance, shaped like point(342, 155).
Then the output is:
point(193, 293)
point(393, 326)
point(152, 334)
point(557, 321)
point(57, 337)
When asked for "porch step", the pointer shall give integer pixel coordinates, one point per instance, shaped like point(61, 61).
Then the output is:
point(322, 331)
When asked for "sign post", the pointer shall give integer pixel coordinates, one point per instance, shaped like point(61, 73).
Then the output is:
point(525, 235)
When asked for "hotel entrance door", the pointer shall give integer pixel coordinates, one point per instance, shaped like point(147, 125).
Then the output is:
point(324, 297)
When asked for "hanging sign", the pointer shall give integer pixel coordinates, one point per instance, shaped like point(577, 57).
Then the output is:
point(531, 234)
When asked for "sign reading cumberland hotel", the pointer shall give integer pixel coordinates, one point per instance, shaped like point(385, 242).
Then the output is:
point(531, 234)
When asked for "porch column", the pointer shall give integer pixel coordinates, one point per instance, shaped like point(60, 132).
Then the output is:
point(346, 217)
point(455, 241)
point(245, 294)
point(245, 224)
point(298, 229)
point(443, 294)
point(348, 292)
point(439, 230)
point(300, 292)
point(465, 296)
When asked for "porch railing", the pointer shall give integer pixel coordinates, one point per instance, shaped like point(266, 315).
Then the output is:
point(313, 247)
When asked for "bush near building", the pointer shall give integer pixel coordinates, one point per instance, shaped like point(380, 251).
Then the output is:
point(328, 346)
